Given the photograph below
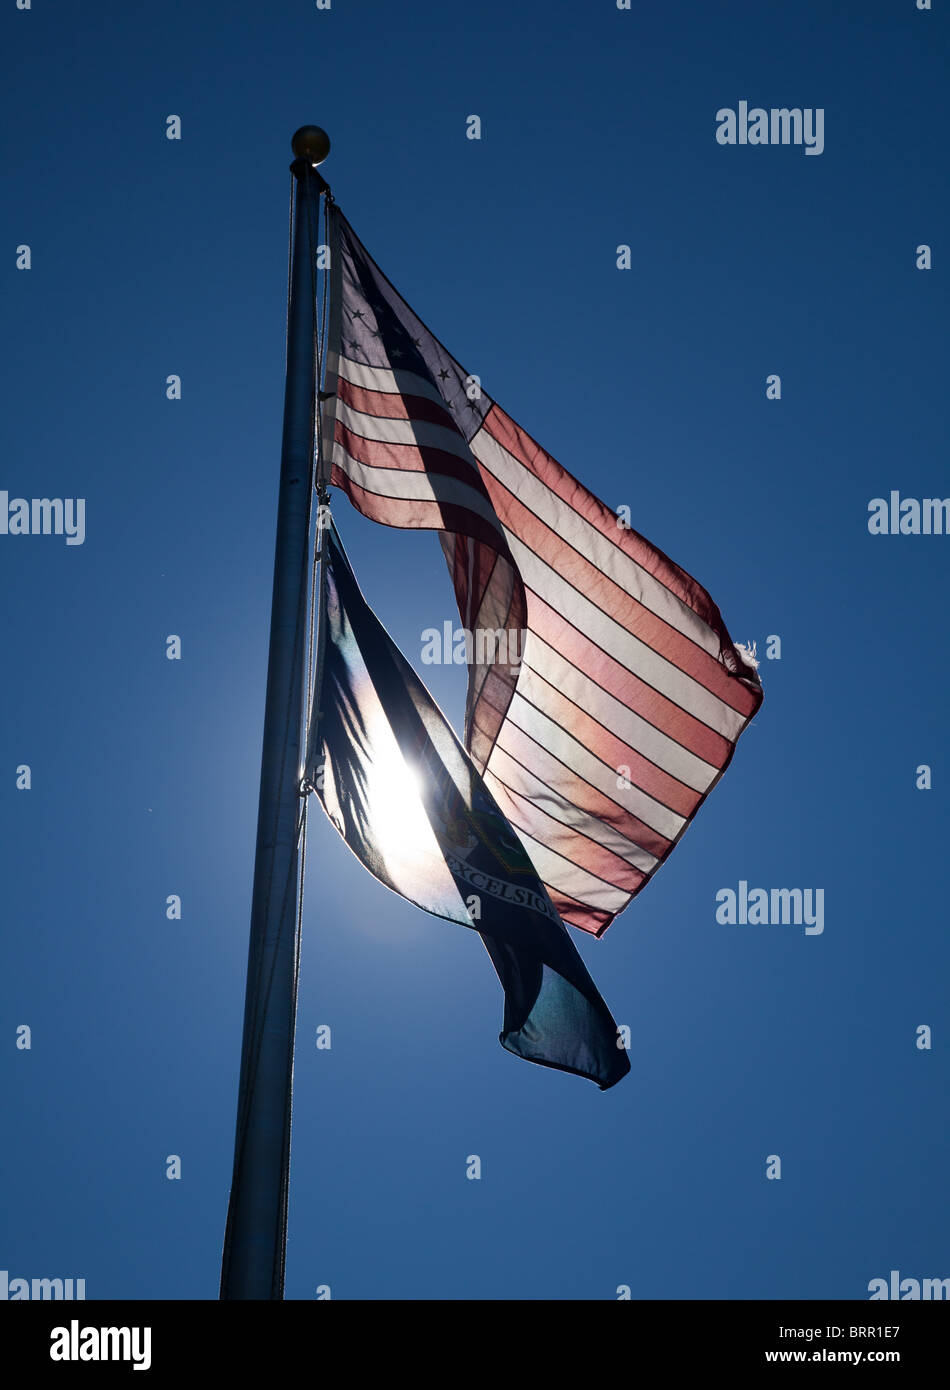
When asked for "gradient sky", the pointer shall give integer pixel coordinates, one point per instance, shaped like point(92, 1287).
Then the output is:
point(152, 257)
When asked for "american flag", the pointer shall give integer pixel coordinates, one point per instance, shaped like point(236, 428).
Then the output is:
point(601, 743)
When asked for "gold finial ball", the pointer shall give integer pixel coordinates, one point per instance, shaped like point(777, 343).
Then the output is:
point(311, 143)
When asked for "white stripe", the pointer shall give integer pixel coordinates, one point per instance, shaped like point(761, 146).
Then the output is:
point(391, 383)
point(415, 432)
point(503, 767)
point(639, 658)
point(615, 639)
point(410, 486)
point(331, 376)
point(618, 642)
point(557, 872)
point(563, 746)
point(603, 554)
point(628, 726)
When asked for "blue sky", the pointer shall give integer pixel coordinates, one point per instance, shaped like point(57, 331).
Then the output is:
point(152, 257)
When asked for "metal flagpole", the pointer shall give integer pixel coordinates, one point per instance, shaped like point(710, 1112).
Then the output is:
point(255, 1238)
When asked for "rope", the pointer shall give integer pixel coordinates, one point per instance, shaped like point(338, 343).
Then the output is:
point(290, 268)
point(319, 339)
point(315, 646)
point(322, 493)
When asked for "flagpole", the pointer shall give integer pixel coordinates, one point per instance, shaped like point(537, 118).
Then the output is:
point(252, 1266)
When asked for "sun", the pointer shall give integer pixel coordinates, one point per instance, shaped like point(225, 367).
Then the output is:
point(397, 816)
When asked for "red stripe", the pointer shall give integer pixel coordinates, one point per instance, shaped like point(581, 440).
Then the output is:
point(615, 602)
point(461, 549)
point(550, 832)
point(488, 721)
point(573, 493)
point(590, 919)
point(663, 713)
point(492, 705)
point(443, 516)
point(476, 609)
point(613, 751)
point(575, 791)
point(410, 458)
point(604, 671)
point(564, 560)
point(392, 406)
point(422, 515)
